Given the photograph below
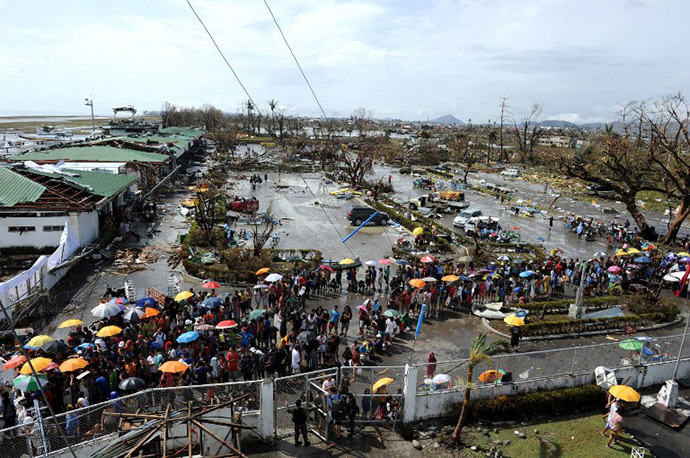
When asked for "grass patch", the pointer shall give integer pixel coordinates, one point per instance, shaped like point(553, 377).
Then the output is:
point(655, 201)
point(572, 438)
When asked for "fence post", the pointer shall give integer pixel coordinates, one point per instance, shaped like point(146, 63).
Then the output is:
point(410, 393)
point(39, 418)
point(267, 423)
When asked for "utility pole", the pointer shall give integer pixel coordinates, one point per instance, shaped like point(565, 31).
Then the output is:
point(89, 103)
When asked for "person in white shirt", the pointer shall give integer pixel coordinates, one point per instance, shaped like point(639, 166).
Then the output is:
point(296, 359)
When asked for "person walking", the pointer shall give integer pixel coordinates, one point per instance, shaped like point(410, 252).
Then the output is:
point(550, 223)
point(515, 334)
point(299, 418)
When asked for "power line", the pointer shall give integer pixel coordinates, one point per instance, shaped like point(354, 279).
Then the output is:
point(268, 127)
point(296, 61)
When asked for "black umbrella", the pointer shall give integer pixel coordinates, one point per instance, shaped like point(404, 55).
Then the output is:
point(307, 336)
point(131, 384)
point(55, 346)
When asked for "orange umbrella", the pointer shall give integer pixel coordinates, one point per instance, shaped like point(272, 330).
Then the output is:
point(491, 376)
point(73, 364)
point(70, 323)
point(173, 366)
point(417, 283)
point(263, 270)
point(38, 363)
point(450, 278)
point(150, 312)
point(14, 362)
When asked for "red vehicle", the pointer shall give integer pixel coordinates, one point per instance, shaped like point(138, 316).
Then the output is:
point(245, 205)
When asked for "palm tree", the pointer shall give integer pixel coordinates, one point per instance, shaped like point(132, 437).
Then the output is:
point(481, 351)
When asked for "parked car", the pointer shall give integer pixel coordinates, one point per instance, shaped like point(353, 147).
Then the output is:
point(465, 216)
point(357, 215)
point(244, 205)
point(510, 173)
point(478, 224)
point(600, 190)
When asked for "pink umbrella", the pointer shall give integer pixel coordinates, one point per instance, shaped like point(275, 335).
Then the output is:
point(363, 308)
point(385, 261)
point(427, 259)
point(328, 268)
point(614, 269)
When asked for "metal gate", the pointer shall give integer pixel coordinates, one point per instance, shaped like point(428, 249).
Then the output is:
point(307, 388)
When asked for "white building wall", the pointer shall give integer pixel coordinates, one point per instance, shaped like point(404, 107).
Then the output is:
point(85, 225)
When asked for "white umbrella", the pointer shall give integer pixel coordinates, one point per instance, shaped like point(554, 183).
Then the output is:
point(441, 379)
point(674, 277)
point(429, 279)
point(503, 258)
point(105, 310)
point(273, 277)
point(599, 255)
point(370, 263)
point(260, 286)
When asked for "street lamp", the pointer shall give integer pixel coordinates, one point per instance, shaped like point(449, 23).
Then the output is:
point(89, 103)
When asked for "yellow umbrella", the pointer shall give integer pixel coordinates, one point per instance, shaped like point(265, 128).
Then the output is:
point(624, 393)
point(513, 320)
point(109, 331)
point(450, 278)
point(38, 341)
point(150, 312)
point(346, 261)
point(183, 296)
point(38, 363)
point(382, 382)
point(263, 270)
point(683, 253)
point(173, 366)
point(417, 283)
point(634, 251)
point(621, 253)
point(70, 323)
point(418, 231)
point(73, 364)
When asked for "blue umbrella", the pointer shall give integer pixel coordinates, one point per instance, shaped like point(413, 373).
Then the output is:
point(463, 277)
point(86, 346)
point(643, 260)
point(648, 351)
point(402, 262)
point(517, 290)
point(526, 273)
point(146, 302)
point(212, 302)
point(522, 313)
point(187, 337)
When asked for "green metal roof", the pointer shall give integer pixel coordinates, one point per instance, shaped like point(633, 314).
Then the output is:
point(178, 141)
point(98, 153)
point(15, 188)
point(187, 132)
point(102, 184)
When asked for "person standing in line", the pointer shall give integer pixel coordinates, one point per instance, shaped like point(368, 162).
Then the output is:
point(352, 412)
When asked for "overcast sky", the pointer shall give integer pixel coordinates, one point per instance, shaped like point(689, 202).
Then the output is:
point(410, 59)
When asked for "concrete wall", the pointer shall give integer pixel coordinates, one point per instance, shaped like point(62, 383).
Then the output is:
point(437, 403)
point(85, 226)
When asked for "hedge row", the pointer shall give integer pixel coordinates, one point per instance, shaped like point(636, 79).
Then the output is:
point(539, 404)
point(563, 306)
point(593, 324)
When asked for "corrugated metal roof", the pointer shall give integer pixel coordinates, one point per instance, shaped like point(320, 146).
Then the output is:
point(99, 183)
point(186, 131)
point(15, 188)
point(99, 153)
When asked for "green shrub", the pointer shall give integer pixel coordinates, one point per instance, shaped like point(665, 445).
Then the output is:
point(539, 404)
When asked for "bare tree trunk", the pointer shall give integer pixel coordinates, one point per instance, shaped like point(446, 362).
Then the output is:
point(638, 217)
point(681, 215)
point(465, 407)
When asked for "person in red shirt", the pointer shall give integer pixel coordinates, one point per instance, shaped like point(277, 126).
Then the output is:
point(233, 359)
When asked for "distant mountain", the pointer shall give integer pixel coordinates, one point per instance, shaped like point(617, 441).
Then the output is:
point(558, 124)
point(447, 119)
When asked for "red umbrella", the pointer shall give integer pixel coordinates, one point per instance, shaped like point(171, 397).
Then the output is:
point(226, 324)
point(326, 267)
point(514, 228)
point(14, 362)
point(427, 259)
point(210, 285)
